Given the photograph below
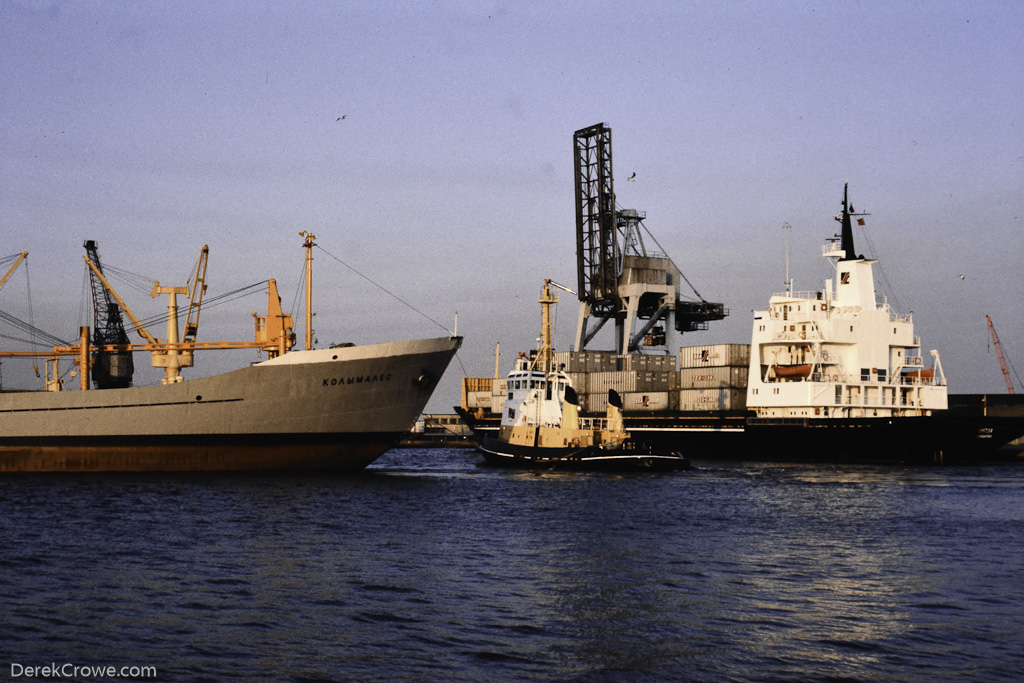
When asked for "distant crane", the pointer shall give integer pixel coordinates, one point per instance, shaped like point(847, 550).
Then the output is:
point(1001, 357)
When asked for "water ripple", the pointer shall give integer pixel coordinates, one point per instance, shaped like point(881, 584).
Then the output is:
point(430, 567)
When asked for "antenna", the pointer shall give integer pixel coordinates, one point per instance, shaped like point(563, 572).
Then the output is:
point(789, 283)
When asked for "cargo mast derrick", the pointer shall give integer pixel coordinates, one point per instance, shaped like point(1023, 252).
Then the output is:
point(110, 369)
point(618, 278)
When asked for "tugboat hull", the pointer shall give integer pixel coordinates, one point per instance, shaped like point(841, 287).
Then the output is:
point(632, 457)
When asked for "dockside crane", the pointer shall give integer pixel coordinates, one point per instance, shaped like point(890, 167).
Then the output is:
point(619, 279)
point(1002, 358)
point(274, 333)
point(110, 369)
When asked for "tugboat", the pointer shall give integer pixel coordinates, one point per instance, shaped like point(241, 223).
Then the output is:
point(540, 424)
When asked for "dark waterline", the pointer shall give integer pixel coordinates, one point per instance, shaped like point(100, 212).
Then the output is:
point(431, 567)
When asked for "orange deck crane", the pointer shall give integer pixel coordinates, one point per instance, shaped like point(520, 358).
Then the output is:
point(1001, 357)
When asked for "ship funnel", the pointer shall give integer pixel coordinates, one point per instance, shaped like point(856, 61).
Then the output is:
point(571, 409)
point(614, 411)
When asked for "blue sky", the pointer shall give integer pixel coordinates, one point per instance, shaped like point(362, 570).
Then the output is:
point(157, 127)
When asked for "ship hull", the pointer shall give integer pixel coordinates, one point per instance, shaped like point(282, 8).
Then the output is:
point(503, 454)
point(973, 430)
point(911, 441)
point(327, 409)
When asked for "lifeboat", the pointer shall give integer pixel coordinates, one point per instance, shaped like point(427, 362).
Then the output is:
point(925, 376)
point(802, 371)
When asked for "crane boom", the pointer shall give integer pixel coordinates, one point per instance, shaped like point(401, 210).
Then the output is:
point(196, 297)
point(1001, 357)
point(139, 327)
point(21, 258)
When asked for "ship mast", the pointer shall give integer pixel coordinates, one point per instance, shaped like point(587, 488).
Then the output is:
point(308, 245)
point(789, 283)
point(546, 353)
point(849, 253)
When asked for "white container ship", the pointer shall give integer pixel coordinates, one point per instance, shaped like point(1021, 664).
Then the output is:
point(833, 375)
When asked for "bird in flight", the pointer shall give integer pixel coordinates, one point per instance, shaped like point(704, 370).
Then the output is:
point(632, 178)
point(343, 116)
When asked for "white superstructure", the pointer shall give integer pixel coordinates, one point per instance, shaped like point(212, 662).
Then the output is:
point(536, 390)
point(839, 352)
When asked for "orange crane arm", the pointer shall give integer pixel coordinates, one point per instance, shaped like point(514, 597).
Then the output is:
point(1000, 356)
point(21, 258)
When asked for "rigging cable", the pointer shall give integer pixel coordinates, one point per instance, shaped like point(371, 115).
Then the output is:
point(144, 285)
point(670, 260)
point(380, 287)
point(227, 297)
point(28, 290)
point(888, 286)
point(299, 290)
point(618, 208)
point(32, 330)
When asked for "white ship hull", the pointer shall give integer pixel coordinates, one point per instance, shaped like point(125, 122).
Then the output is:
point(332, 409)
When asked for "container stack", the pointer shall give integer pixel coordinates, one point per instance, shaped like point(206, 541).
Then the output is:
point(482, 393)
point(713, 377)
point(643, 382)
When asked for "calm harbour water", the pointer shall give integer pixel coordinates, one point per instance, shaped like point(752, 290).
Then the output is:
point(431, 567)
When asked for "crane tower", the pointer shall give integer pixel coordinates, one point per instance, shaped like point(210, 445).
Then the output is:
point(619, 279)
point(111, 369)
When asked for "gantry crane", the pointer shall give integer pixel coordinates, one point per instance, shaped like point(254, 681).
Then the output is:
point(618, 278)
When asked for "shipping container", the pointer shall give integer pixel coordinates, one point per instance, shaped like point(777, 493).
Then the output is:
point(651, 363)
point(579, 381)
point(714, 355)
point(712, 399)
point(477, 383)
point(477, 399)
point(641, 402)
point(714, 377)
point(476, 393)
point(596, 404)
point(601, 382)
point(585, 361)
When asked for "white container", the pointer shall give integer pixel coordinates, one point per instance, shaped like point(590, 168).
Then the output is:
point(642, 363)
point(714, 355)
point(585, 361)
point(626, 381)
point(714, 377)
point(645, 402)
point(691, 400)
point(478, 399)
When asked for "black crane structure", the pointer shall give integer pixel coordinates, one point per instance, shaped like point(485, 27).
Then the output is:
point(606, 237)
point(597, 243)
point(110, 370)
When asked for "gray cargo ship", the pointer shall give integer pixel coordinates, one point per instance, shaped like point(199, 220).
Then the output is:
point(338, 408)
